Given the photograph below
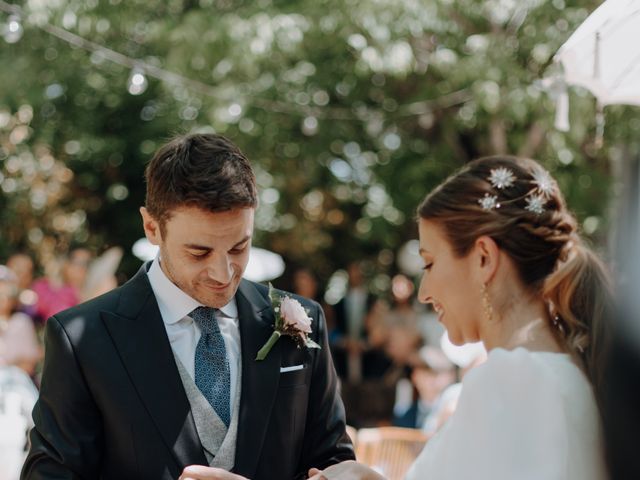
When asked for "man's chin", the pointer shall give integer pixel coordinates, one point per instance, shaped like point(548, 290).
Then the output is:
point(216, 299)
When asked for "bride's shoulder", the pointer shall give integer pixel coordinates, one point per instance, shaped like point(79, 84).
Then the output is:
point(520, 356)
point(521, 366)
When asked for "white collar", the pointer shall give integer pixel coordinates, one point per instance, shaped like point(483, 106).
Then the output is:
point(175, 304)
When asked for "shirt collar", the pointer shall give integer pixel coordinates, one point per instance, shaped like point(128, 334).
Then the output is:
point(175, 304)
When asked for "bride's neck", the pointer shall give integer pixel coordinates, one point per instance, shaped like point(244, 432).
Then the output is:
point(522, 324)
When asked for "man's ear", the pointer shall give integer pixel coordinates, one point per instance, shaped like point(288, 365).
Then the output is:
point(151, 227)
point(487, 256)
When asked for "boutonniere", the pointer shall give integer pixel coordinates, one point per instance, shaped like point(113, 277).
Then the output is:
point(291, 320)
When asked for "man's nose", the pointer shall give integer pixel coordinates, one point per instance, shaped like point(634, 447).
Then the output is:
point(220, 269)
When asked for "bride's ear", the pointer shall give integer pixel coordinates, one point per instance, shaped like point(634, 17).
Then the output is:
point(486, 258)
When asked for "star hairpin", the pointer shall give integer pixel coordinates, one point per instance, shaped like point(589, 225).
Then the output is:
point(543, 182)
point(489, 202)
point(501, 178)
point(536, 203)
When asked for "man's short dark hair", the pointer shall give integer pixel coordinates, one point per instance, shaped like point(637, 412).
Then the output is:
point(206, 171)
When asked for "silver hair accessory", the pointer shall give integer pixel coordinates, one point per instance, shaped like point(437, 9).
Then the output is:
point(502, 178)
point(489, 202)
point(543, 182)
point(535, 203)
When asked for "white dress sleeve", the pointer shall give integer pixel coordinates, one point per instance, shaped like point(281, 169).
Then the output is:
point(510, 423)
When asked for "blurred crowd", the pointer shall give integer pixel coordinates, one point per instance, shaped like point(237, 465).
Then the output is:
point(26, 302)
point(394, 360)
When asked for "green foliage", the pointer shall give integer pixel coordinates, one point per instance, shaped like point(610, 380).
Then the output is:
point(351, 111)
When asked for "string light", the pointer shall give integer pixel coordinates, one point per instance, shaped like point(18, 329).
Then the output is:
point(13, 29)
point(140, 69)
point(137, 82)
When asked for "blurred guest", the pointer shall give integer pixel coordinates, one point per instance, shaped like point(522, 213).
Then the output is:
point(62, 287)
point(429, 325)
point(76, 267)
point(18, 395)
point(431, 373)
point(306, 285)
point(402, 344)
point(22, 265)
point(351, 314)
point(402, 309)
point(392, 333)
point(18, 341)
point(465, 357)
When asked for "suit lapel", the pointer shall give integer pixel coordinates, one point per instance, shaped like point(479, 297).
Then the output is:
point(139, 335)
point(259, 379)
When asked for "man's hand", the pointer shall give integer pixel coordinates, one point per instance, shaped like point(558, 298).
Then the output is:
point(200, 472)
point(315, 473)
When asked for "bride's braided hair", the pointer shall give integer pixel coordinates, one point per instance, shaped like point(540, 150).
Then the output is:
point(542, 240)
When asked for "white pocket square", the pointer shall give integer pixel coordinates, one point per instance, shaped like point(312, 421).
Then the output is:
point(292, 368)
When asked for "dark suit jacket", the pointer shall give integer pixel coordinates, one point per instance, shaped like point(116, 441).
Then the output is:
point(112, 405)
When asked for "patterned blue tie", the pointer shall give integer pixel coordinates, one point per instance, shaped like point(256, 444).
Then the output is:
point(212, 372)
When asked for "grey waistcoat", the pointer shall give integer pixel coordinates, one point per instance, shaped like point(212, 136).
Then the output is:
point(219, 444)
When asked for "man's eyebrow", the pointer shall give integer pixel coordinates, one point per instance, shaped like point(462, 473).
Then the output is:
point(244, 240)
point(195, 246)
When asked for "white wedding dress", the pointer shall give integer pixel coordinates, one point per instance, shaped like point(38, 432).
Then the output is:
point(521, 416)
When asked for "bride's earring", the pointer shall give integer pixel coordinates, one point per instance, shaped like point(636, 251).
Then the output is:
point(486, 301)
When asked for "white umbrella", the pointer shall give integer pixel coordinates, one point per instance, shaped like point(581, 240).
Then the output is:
point(603, 56)
point(263, 265)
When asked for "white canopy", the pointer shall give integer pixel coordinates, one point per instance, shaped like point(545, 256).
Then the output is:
point(603, 54)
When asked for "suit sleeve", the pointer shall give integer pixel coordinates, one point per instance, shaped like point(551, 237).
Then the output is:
point(66, 441)
point(326, 441)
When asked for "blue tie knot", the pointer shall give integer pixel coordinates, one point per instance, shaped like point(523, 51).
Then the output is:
point(205, 318)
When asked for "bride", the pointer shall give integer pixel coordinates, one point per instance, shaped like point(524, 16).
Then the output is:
point(503, 263)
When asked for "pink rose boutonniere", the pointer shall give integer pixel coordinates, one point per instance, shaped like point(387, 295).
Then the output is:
point(291, 320)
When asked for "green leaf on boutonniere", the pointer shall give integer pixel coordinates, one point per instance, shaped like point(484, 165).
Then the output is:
point(296, 325)
point(275, 304)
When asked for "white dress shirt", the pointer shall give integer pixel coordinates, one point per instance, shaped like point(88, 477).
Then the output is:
point(184, 333)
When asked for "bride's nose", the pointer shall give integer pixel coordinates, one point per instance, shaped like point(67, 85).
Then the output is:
point(423, 293)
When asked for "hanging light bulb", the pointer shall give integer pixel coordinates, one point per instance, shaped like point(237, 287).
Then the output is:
point(13, 29)
point(137, 82)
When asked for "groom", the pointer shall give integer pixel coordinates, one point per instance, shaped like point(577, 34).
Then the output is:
point(160, 374)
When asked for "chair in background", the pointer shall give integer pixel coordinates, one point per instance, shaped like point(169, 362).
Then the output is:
point(389, 450)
